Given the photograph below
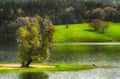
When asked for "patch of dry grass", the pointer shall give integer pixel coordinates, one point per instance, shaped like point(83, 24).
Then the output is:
point(16, 66)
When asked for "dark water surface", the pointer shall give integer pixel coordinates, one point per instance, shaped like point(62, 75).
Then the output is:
point(86, 54)
point(8, 52)
point(69, 53)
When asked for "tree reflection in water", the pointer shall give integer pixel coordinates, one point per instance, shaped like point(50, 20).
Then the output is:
point(33, 75)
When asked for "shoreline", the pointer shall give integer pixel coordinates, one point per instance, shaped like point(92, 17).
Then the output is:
point(87, 43)
point(16, 68)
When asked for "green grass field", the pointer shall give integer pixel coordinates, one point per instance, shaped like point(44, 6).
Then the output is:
point(84, 33)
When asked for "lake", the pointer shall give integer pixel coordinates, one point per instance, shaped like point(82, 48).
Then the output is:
point(69, 54)
point(84, 74)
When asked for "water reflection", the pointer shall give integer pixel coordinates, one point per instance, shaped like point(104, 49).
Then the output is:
point(84, 74)
point(77, 54)
point(86, 54)
point(35, 75)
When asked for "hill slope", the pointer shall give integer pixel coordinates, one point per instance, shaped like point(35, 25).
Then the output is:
point(84, 33)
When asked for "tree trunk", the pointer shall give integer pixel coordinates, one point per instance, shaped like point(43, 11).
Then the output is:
point(103, 30)
point(27, 63)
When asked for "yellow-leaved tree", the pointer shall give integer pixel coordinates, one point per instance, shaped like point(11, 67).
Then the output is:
point(33, 44)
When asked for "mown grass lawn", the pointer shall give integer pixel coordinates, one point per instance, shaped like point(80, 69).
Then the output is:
point(84, 33)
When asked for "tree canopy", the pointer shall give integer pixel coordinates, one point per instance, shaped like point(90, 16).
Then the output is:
point(32, 43)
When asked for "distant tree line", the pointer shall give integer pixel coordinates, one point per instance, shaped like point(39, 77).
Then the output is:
point(59, 12)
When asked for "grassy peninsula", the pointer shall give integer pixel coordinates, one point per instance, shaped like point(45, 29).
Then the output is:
point(15, 68)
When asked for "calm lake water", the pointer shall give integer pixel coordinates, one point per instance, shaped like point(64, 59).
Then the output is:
point(72, 54)
point(85, 74)
point(86, 54)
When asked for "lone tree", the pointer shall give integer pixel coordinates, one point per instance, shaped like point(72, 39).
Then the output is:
point(97, 24)
point(68, 16)
point(96, 16)
point(33, 45)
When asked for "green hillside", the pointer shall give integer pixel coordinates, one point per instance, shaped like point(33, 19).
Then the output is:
point(84, 33)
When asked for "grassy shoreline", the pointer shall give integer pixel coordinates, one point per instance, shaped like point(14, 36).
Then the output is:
point(13, 68)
